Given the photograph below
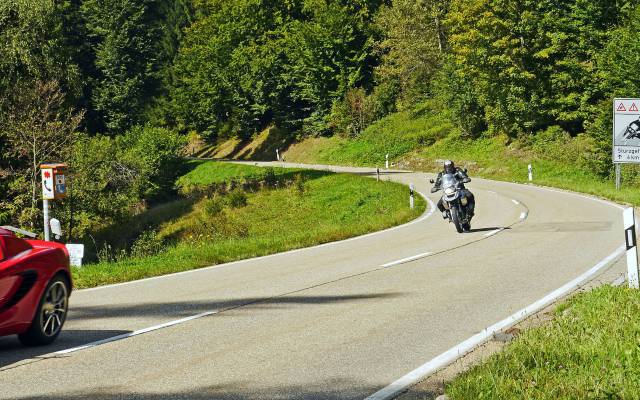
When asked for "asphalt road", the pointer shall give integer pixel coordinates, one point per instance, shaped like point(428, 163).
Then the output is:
point(339, 321)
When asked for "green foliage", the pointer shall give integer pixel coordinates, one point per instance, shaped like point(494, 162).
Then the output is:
point(352, 115)
point(237, 198)
point(531, 62)
point(112, 177)
point(147, 244)
point(133, 42)
point(413, 45)
point(249, 63)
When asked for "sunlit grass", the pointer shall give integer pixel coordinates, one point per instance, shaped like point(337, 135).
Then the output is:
point(591, 350)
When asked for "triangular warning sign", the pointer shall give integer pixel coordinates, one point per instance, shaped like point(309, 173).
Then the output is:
point(621, 107)
point(633, 107)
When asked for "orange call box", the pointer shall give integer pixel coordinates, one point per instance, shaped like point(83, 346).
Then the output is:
point(54, 181)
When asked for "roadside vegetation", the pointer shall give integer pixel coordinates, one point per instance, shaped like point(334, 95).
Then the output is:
point(231, 212)
point(590, 350)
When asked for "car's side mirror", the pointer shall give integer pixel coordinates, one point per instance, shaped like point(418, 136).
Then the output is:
point(56, 228)
point(465, 170)
point(430, 180)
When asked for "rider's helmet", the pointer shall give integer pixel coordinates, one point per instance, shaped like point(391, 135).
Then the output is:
point(449, 167)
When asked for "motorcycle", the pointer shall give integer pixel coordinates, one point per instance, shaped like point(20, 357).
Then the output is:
point(455, 202)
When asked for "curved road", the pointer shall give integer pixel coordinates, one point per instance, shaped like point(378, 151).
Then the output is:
point(338, 321)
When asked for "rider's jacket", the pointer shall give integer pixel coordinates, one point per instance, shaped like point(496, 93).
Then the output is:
point(459, 174)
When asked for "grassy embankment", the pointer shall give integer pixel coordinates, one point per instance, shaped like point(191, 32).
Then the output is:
point(269, 211)
point(418, 141)
point(591, 349)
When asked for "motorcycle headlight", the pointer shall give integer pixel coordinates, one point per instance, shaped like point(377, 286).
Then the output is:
point(449, 191)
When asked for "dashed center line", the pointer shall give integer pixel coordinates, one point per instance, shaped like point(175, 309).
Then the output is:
point(404, 260)
point(493, 232)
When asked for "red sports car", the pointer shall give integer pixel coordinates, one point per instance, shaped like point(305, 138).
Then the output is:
point(35, 284)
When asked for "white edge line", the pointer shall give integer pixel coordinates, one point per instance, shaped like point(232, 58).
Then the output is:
point(516, 202)
point(404, 260)
point(474, 341)
point(523, 215)
point(130, 334)
point(425, 215)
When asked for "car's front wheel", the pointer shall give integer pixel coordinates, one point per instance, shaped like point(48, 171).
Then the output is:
point(50, 315)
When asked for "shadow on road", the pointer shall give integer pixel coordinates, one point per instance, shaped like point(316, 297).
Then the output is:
point(493, 228)
point(11, 351)
point(179, 309)
point(329, 390)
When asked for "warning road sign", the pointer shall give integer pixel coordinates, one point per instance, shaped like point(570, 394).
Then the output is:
point(626, 131)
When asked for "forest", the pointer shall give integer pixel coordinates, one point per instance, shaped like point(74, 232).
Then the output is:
point(116, 88)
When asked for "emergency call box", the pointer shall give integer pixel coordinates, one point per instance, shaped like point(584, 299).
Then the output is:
point(54, 181)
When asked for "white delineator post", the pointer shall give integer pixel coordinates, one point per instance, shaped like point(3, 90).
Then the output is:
point(411, 200)
point(632, 251)
point(277, 154)
point(386, 162)
point(530, 173)
point(378, 174)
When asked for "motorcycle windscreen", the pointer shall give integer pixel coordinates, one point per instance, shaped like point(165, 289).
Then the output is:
point(448, 180)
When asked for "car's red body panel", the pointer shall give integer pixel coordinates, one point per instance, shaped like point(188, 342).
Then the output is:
point(26, 267)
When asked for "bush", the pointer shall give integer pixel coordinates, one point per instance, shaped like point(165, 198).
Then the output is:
point(147, 244)
point(237, 198)
point(213, 207)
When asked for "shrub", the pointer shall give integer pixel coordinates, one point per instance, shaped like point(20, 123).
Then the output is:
point(237, 198)
point(147, 244)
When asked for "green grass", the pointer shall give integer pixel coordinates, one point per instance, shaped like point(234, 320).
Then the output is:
point(326, 207)
point(418, 141)
point(591, 350)
point(204, 173)
point(396, 135)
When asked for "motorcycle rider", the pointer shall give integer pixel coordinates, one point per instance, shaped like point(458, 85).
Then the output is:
point(450, 168)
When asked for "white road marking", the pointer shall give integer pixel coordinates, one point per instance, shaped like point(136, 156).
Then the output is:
point(130, 334)
point(515, 201)
point(404, 260)
point(523, 215)
point(474, 341)
point(427, 214)
point(493, 232)
point(491, 191)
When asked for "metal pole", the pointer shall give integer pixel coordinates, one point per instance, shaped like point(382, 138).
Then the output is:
point(45, 212)
point(632, 250)
point(618, 177)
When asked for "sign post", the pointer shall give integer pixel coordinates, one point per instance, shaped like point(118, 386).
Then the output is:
point(632, 251)
point(626, 134)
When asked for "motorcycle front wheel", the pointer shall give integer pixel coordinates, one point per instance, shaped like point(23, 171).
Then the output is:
point(456, 219)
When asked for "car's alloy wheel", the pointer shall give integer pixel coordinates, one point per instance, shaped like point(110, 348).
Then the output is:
point(50, 315)
point(54, 309)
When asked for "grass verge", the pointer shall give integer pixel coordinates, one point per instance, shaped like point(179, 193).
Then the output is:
point(590, 350)
point(317, 207)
